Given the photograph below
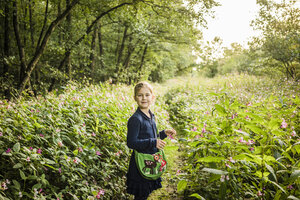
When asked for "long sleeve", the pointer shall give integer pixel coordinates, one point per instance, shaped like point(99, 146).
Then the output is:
point(133, 142)
point(162, 134)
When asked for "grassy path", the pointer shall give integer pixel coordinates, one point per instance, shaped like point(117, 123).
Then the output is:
point(170, 179)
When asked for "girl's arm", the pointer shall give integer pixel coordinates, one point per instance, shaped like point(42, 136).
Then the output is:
point(133, 141)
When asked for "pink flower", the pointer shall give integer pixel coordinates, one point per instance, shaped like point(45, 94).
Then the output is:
point(283, 124)
point(41, 135)
point(232, 116)
point(100, 193)
point(93, 134)
point(251, 149)
point(178, 172)
point(250, 142)
point(197, 136)
point(294, 133)
point(290, 187)
point(242, 140)
point(247, 117)
point(231, 160)
point(249, 104)
point(203, 130)
point(194, 129)
point(39, 151)
point(1, 134)
point(227, 178)
point(30, 148)
point(28, 159)
point(80, 149)
point(75, 161)
point(227, 165)
point(59, 170)
point(222, 179)
point(259, 193)
point(8, 150)
point(98, 153)
point(60, 144)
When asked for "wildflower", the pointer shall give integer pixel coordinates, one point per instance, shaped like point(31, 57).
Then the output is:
point(194, 129)
point(80, 149)
point(231, 160)
point(251, 149)
point(249, 104)
point(75, 161)
point(232, 116)
point(59, 170)
point(222, 179)
point(30, 148)
point(98, 153)
point(7, 181)
point(294, 133)
point(259, 193)
point(242, 140)
point(283, 124)
point(227, 165)
point(250, 142)
point(39, 151)
point(247, 117)
point(290, 187)
point(1, 134)
point(57, 130)
point(227, 178)
point(178, 172)
point(101, 192)
point(4, 186)
point(60, 144)
point(8, 150)
point(83, 124)
point(197, 136)
point(93, 134)
point(41, 135)
point(28, 159)
point(203, 130)
point(20, 194)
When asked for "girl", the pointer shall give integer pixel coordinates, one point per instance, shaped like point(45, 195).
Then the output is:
point(142, 137)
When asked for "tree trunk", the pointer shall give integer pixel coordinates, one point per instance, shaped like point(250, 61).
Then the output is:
point(121, 48)
point(44, 25)
point(40, 50)
point(6, 37)
point(101, 52)
point(93, 50)
point(19, 43)
point(31, 5)
point(69, 39)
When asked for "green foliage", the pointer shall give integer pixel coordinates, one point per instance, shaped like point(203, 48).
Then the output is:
point(68, 146)
point(239, 138)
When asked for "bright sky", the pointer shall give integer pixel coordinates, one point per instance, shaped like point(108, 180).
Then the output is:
point(232, 22)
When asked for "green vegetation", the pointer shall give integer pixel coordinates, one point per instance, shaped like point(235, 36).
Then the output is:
point(239, 137)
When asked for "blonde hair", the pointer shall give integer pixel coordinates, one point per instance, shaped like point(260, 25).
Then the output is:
point(141, 85)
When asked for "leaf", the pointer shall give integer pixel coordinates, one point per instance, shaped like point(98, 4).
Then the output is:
point(244, 133)
point(211, 159)
point(22, 175)
point(197, 196)
point(17, 184)
point(181, 185)
point(18, 165)
point(278, 186)
point(293, 197)
point(220, 109)
point(295, 175)
point(16, 147)
point(214, 171)
point(37, 186)
point(271, 170)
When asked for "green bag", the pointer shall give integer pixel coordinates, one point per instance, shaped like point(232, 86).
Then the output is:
point(151, 166)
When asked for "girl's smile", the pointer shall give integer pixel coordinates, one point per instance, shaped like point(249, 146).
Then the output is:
point(144, 98)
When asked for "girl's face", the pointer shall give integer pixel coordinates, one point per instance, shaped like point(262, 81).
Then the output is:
point(144, 98)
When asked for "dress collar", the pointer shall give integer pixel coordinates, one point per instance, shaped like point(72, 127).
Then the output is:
point(144, 115)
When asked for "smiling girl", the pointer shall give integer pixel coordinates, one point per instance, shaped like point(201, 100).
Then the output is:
point(142, 136)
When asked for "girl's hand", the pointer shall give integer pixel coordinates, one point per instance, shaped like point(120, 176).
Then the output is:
point(160, 144)
point(170, 132)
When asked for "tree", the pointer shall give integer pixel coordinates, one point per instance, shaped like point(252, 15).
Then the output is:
point(280, 27)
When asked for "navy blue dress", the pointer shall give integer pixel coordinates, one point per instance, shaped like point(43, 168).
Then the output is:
point(141, 137)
